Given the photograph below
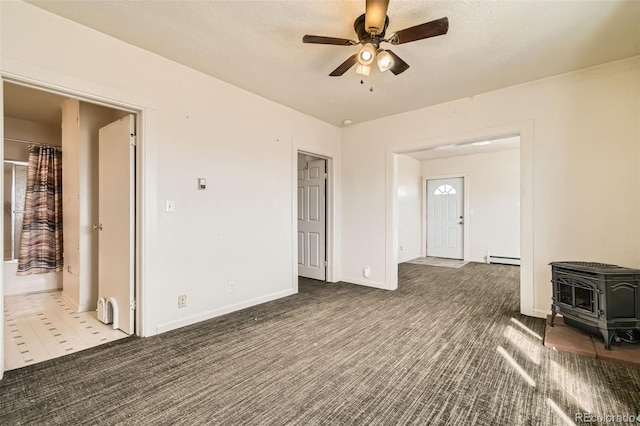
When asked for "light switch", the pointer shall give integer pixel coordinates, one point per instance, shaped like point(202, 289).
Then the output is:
point(202, 183)
point(169, 207)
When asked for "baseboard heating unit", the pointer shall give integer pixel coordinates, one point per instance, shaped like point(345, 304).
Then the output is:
point(504, 260)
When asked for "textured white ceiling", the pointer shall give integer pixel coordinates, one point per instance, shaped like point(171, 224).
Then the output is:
point(257, 45)
point(467, 148)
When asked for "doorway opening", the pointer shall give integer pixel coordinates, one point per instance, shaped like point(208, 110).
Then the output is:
point(470, 201)
point(311, 202)
point(517, 207)
point(53, 312)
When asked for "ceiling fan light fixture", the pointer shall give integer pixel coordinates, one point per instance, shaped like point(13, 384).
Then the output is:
point(363, 69)
point(384, 59)
point(375, 16)
point(367, 54)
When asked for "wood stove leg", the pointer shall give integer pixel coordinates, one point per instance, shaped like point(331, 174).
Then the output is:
point(553, 316)
point(607, 338)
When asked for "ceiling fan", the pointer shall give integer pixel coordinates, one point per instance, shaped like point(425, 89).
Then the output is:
point(370, 28)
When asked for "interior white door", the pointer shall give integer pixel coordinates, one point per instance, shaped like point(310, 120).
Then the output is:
point(311, 219)
point(445, 218)
point(116, 211)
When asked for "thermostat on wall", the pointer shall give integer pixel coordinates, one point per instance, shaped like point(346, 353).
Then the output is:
point(202, 183)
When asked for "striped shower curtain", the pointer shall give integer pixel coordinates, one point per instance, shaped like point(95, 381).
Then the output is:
point(41, 246)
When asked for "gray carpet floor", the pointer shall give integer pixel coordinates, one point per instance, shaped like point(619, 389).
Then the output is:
point(435, 351)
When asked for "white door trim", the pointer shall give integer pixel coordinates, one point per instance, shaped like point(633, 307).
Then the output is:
point(527, 272)
point(307, 226)
point(2, 233)
point(140, 113)
point(465, 209)
point(332, 253)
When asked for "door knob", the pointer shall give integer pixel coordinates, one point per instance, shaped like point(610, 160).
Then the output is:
point(461, 222)
point(98, 227)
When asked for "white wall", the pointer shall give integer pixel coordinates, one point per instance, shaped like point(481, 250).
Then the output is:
point(32, 131)
point(239, 229)
point(409, 208)
point(584, 154)
point(494, 199)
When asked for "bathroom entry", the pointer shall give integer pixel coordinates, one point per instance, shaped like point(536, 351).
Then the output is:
point(67, 299)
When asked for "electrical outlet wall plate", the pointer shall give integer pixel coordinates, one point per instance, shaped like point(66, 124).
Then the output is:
point(182, 301)
point(366, 272)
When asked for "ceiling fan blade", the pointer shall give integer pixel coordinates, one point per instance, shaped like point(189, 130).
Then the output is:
point(345, 66)
point(375, 15)
point(328, 40)
point(399, 66)
point(422, 31)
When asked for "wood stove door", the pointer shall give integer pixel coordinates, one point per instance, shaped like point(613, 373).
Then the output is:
point(577, 294)
point(586, 298)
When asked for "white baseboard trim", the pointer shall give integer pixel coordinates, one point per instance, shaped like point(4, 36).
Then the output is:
point(408, 258)
point(366, 283)
point(88, 307)
point(76, 307)
point(69, 301)
point(203, 316)
point(541, 313)
point(27, 293)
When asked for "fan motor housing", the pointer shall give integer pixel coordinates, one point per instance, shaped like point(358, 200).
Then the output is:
point(363, 34)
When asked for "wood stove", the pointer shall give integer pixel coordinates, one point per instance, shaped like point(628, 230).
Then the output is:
point(597, 298)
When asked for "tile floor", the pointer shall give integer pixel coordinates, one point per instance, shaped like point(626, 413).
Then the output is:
point(438, 261)
point(570, 339)
point(41, 326)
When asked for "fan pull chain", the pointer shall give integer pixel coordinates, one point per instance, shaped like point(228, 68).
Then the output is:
point(370, 88)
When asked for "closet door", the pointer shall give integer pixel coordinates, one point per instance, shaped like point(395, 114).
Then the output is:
point(116, 181)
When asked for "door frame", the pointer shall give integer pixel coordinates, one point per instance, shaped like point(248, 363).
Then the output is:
point(331, 254)
point(140, 208)
point(524, 129)
point(465, 211)
point(325, 217)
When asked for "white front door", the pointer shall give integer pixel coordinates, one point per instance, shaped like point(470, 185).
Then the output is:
point(445, 218)
point(116, 188)
point(311, 219)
